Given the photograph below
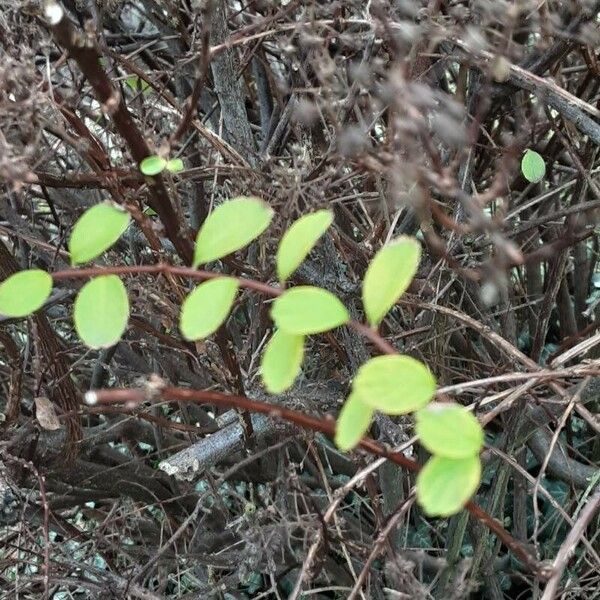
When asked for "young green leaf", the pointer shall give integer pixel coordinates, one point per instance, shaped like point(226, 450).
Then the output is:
point(305, 310)
point(175, 165)
point(231, 226)
point(136, 84)
point(24, 292)
point(533, 166)
point(281, 361)
point(299, 240)
point(445, 485)
point(101, 311)
point(388, 276)
point(207, 307)
point(449, 430)
point(352, 423)
point(395, 385)
point(98, 228)
point(153, 165)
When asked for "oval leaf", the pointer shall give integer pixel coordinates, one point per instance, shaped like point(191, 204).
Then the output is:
point(445, 485)
point(175, 165)
point(25, 292)
point(96, 231)
point(207, 307)
point(388, 277)
point(304, 310)
point(299, 240)
point(533, 166)
point(395, 385)
point(231, 226)
point(101, 311)
point(281, 361)
point(352, 423)
point(449, 430)
point(153, 165)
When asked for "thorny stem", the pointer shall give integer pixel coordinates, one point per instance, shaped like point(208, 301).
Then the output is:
point(326, 426)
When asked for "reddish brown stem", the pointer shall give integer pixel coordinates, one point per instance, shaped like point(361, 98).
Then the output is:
point(251, 284)
point(162, 269)
point(326, 426)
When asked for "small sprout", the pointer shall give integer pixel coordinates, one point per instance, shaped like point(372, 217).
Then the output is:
point(136, 84)
point(175, 165)
point(153, 165)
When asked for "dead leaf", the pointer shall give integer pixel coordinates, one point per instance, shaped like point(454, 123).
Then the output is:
point(46, 414)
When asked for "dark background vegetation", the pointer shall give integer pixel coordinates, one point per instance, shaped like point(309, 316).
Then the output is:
point(405, 117)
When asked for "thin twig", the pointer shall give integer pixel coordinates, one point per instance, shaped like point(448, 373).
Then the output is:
point(569, 545)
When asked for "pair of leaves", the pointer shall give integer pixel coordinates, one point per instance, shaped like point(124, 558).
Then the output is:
point(154, 165)
point(301, 311)
point(236, 223)
point(101, 308)
point(455, 437)
point(298, 312)
point(394, 385)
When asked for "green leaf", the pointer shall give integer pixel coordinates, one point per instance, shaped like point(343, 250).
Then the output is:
point(25, 292)
point(533, 166)
point(299, 240)
point(97, 230)
point(101, 311)
point(304, 310)
point(395, 385)
point(388, 277)
point(445, 485)
point(135, 83)
point(150, 212)
point(449, 430)
point(352, 423)
point(281, 361)
point(175, 165)
point(231, 226)
point(153, 165)
point(207, 307)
